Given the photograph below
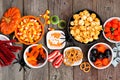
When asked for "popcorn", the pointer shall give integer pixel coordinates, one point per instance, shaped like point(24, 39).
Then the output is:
point(85, 27)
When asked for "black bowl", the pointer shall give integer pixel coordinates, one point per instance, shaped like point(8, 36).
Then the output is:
point(68, 28)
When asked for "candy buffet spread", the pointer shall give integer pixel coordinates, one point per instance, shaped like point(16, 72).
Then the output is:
point(84, 27)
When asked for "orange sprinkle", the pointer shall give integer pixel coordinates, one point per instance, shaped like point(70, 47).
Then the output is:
point(56, 35)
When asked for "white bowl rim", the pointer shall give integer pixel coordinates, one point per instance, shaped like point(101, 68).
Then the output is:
point(92, 63)
point(75, 47)
point(49, 32)
point(1, 35)
point(112, 41)
point(30, 64)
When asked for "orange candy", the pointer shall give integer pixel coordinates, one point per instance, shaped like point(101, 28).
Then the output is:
point(101, 48)
point(98, 63)
point(105, 61)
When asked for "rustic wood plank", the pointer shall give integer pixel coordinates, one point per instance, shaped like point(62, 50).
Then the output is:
point(1, 74)
point(80, 4)
point(117, 13)
point(63, 9)
point(107, 74)
point(106, 11)
point(63, 73)
point(35, 8)
point(116, 7)
point(117, 72)
point(78, 74)
point(1, 10)
point(11, 3)
point(10, 72)
point(1, 7)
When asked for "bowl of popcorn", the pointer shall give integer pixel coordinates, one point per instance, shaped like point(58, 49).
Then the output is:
point(85, 26)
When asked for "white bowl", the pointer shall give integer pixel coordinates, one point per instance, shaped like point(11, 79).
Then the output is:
point(3, 37)
point(61, 39)
point(40, 64)
point(76, 63)
point(92, 62)
point(112, 41)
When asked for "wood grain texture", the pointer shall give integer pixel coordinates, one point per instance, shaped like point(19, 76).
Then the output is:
point(63, 9)
point(1, 74)
point(117, 72)
point(35, 8)
point(107, 10)
point(78, 74)
point(109, 74)
point(80, 4)
point(11, 3)
point(117, 13)
point(1, 8)
point(11, 72)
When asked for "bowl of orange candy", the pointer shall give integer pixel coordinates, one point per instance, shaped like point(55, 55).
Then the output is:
point(36, 56)
point(100, 55)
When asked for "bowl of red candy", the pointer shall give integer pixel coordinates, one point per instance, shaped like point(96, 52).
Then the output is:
point(100, 55)
point(112, 29)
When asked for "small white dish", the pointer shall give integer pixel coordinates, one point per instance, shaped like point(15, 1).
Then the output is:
point(3, 37)
point(89, 52)
point(40, 65)
point(76, 63)
point(54, 40)
point(108, 20)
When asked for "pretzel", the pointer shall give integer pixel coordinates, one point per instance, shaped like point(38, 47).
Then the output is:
point(72, 55)
point(85, 66)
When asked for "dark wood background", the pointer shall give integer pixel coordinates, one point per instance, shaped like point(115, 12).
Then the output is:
point(64, 9)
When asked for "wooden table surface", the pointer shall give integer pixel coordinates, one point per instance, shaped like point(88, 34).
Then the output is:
point(64, 9)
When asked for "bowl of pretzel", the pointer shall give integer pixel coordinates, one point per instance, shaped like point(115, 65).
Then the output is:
point(72, 56)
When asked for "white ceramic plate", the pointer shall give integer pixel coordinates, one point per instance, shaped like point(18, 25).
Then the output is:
point(55, 40)
point(39, 65)
point(76, 63)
